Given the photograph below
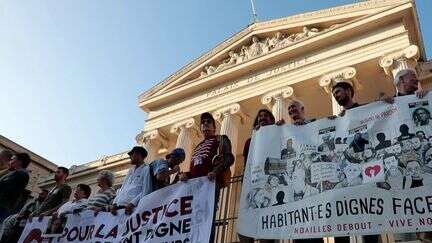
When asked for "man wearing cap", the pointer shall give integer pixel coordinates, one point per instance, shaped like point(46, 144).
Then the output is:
point(162, 169)
point(211, 157)
point(137, 183)
point(406, 83)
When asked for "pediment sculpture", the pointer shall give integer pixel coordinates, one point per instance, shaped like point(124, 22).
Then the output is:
point(259, 47)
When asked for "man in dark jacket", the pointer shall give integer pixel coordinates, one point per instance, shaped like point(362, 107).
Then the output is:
point(57, 196)
point(13, 184)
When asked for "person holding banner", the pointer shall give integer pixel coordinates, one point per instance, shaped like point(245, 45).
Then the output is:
point(296, 112)
point(162, 169)
point(12, 226)
point(106, 194)
point(136, 184)
point(57, 196)
point(406, 83)
point(81, 194)
point(343, 93)
point(263, 118)
point(212, 157)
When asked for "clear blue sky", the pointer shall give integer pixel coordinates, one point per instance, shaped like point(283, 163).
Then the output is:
point(71, 70)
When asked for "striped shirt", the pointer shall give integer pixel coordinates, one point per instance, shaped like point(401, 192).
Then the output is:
point(101, 198)
point(202, 156)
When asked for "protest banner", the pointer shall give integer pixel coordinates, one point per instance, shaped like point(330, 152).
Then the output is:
point(179, 213)
point(368, 172)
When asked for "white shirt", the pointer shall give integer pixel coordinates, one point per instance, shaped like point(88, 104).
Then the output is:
point(137, 184)
point(70, 206)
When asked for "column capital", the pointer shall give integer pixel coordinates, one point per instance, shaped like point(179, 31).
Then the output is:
point(147, 136)
point(188, 123)
point(232, 109)
point(282, 93)
point(403, 59)
point(346, 74)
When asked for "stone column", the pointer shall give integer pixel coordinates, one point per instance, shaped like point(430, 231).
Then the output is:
point(276, 101)
point(400, 60)
point(187, 133)
point(327, 81)
point(230, 117)
point(152, 141)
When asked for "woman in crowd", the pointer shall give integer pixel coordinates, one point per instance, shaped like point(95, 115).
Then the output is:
point(263, 118)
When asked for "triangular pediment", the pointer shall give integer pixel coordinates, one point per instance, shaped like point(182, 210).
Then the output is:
point(263, 38)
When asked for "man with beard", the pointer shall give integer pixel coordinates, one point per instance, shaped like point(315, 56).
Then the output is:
point(57, 196)
point(211, 158)
point(12, 184)
point(137, 183)
point(406, 83)
point(343, 92)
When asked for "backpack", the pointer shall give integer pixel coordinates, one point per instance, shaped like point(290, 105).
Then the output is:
point(223, 179)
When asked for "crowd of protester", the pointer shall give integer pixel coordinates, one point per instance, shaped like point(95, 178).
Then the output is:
point(212, 158)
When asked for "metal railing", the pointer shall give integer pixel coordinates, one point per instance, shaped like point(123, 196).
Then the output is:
point(227, 212)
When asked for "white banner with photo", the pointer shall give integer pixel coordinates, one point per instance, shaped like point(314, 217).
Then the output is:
point(179, 213)
point(368, 172)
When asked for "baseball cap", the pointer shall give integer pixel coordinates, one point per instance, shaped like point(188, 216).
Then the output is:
point(177, 152)
point(138, 149)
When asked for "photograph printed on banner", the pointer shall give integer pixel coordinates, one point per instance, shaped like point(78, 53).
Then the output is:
point(288, 152)
point(421, 118)
point(326, 147)
point(358, 143)
point(55, 227)
point(420, 113)
point(382, 142)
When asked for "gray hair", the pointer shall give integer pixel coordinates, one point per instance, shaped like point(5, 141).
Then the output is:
point(402, 73)
point(108, 175)
point(297, 102)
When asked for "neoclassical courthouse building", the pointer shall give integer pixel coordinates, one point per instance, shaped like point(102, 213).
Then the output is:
point(265, 65)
